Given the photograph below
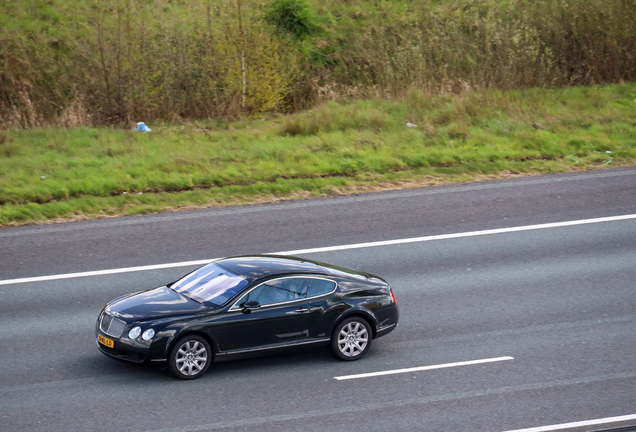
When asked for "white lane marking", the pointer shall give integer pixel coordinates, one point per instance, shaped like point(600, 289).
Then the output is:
point(104, 272)
point(423, 368)
point(460, 235)
point(328, 249)
point(578, 424)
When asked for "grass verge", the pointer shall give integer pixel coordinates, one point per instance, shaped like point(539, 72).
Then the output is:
point(56, 174)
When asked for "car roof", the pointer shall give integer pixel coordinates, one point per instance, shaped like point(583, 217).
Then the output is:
point(260, 266)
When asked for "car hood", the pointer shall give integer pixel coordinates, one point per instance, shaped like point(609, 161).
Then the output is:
point(159, 302)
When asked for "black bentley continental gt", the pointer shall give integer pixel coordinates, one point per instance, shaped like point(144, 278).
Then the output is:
point(246, 305)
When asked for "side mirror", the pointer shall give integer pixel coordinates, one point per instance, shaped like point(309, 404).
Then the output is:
point(250, 305)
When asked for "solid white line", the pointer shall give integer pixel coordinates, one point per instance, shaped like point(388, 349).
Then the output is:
point(104, 272)
point(578, 424)
point(328, 249)
point(423, 368)
point(460, 235)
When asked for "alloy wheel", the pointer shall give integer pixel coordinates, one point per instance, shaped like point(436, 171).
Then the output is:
point(353, 339)
point(191, 358)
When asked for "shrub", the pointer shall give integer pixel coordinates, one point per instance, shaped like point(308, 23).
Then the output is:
point(294, 17)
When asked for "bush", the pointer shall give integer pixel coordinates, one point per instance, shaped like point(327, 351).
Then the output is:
point(294, 17)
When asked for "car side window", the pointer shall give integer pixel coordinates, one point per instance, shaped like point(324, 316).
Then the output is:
point(252, 295)
point(319, 287)
point(277, 291)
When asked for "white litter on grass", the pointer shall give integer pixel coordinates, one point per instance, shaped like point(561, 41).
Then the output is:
point(411, 125)
point(606, 152)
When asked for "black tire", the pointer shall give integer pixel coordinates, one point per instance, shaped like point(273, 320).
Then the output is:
point(351, 339)
point(189, 357)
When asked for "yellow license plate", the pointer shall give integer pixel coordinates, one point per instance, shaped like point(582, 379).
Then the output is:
point(104, 341)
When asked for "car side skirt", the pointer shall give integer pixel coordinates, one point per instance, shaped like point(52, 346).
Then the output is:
point(251, 351)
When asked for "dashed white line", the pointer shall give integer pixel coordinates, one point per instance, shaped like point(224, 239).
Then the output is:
point(424, 368)
point(328, 249)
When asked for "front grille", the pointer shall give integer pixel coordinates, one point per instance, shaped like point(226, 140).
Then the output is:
point(112, 326)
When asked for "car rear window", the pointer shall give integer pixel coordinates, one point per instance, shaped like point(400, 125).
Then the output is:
point(319, 287)
point(210, 284)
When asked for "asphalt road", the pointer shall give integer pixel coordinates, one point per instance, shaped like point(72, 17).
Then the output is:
point(554, 306)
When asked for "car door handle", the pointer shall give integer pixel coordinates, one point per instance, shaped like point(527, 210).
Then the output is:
point(301, 310)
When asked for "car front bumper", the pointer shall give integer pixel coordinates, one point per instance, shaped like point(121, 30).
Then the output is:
point(122, 351)
point(130, 350)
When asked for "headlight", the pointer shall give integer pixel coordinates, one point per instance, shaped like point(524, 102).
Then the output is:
point(148, 334)
point(134, 333)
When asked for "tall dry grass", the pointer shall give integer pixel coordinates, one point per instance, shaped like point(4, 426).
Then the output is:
point(507, 44)
point(96, 62)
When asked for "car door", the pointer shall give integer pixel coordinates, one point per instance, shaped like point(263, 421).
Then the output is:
point(320, 304)
point(280, 319)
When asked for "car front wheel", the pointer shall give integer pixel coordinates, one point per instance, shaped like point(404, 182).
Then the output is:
point(190, 357)
point(351, 339)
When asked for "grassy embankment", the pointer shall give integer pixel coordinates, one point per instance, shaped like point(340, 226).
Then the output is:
point(256, 100)
point(55, 173)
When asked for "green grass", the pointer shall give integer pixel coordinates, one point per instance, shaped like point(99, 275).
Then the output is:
point(60, 174)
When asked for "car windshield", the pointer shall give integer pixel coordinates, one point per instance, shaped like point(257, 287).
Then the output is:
point(210, 284)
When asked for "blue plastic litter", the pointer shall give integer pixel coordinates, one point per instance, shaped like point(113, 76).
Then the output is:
point(141, 126)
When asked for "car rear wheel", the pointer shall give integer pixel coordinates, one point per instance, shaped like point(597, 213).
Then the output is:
point(351, 339)
point(190, 357)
